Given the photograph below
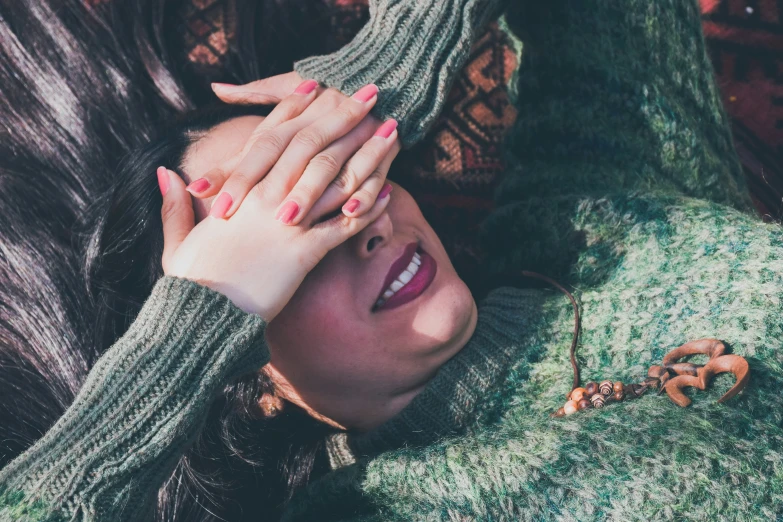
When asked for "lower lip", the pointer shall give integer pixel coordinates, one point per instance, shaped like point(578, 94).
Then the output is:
point(416, 286)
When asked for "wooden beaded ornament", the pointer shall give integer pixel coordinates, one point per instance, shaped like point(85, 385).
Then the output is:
point(671, 376)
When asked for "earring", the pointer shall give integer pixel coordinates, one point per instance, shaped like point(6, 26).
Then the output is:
point(271, 405)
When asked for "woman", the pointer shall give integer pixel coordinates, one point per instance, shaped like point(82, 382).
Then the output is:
point(626, 185)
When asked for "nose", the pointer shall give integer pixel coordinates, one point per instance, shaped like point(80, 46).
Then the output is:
point(371, 239)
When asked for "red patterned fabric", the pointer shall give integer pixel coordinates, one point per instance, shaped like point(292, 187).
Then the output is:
point(745, 40)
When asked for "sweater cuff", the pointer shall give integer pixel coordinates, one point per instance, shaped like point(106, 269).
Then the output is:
point(411, 50)
point(142, 404)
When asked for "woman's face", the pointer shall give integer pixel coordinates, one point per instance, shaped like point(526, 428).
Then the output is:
point(331, 352)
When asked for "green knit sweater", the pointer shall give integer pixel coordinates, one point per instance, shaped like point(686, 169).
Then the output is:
point(625, 185)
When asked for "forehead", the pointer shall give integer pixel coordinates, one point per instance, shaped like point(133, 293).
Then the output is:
point(218, 145)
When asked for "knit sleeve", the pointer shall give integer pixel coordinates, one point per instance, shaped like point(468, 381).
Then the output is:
point(412, 50)
point(618, 95)
point(141, 405)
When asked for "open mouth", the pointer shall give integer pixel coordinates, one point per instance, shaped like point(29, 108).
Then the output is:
point(408, 277)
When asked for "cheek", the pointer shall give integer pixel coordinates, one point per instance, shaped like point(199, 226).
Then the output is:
point(316, 330)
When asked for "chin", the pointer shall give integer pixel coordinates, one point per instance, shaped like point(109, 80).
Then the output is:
point(449, 316)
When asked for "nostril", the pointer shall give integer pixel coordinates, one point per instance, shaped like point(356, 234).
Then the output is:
point(373, 241)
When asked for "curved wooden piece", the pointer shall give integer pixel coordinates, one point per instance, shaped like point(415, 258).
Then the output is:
point(675, 385)
point(721, 364)
point(728, 363)
point(684, 368)
point(711, 347)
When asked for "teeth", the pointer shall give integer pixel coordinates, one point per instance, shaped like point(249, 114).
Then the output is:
point(405, 276)
point(402, 279)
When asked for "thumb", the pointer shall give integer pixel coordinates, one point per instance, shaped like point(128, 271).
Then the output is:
point(268, 91)
point(176, 213)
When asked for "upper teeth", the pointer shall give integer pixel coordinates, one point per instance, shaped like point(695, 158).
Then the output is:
point(402, 279)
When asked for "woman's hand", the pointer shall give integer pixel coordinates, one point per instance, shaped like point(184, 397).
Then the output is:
point(323, 168)
point(252, 258)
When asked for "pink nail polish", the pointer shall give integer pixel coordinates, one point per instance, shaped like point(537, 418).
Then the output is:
point(385, 130)
point(351, 206)
point(287, 212)
point(221, 205)
point(306, 87)
point(200, 185)
point(163, 180)
point(366, 93)
point(384, 192)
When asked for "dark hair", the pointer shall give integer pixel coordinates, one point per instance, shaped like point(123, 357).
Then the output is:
point(86, 89)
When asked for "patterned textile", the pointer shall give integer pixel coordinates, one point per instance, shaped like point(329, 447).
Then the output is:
point(210, 26)
point(745, 39)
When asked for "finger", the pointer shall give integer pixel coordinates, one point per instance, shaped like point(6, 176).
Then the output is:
point(210, 183)
point(362, 177)
point(322, 170)
point(292, 105)
point(316, 137)
point(333, 232)
point(176, 212)
point(267, 91)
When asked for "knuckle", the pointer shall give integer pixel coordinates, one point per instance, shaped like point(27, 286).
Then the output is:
point(257, 191)
point(239, 179)
point(168, 210)
point(346, 179)
point(310, 138)
point(378, 172)
point(345, 113)
point(305, 193)
point(343, 223)
point(269, 142)
point(325, 161)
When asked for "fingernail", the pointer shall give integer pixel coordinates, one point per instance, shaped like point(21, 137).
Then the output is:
point(306, 87)
point(385, 130)
point(366, 93)
point(223, 86)
point(221, 205)
point(387, 188)
point(351, 206)
point(163, 180)
point(200, 185)
point(287, 212)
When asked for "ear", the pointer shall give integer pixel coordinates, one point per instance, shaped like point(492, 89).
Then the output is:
point(284, 390)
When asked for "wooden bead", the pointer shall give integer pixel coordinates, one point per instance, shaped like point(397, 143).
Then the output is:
point(617, 387)
point(577, 394)
point(618, 395)
point(591, 388)
point(598, 400)
point(570, 407)
point(606, 388)
point(584, 404)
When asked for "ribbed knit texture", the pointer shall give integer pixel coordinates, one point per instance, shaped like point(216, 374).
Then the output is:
point(141, 405)
point(411, 50)
point(625, 186)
